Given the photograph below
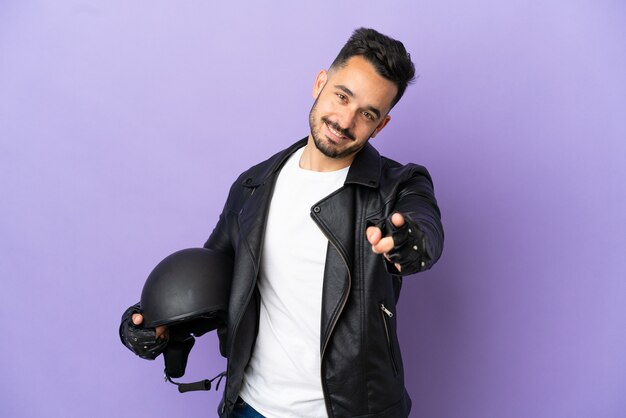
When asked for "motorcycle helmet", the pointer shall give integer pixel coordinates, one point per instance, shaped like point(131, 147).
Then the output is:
point(188, 291)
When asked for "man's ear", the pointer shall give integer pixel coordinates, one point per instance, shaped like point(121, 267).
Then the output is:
point(380, 126)
point(320, 82)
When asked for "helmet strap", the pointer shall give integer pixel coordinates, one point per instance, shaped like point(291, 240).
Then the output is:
point(200, 385)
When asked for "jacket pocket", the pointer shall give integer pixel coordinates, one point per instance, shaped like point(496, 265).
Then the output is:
point(386, 315)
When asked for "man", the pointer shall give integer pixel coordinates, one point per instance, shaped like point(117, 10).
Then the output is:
point(321, 235)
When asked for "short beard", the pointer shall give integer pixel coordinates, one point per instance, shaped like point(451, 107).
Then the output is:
point(324, 147)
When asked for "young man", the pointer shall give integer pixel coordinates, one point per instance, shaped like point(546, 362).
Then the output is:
point(321, 235)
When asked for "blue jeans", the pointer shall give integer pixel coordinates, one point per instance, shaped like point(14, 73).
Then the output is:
point(243, 410)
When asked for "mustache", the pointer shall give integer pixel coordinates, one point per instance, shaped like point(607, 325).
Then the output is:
point(338, 128)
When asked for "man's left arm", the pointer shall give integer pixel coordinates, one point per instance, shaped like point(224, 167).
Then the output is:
point(411, 239)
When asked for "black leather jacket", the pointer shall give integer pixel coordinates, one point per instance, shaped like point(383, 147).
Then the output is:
point(361, 366)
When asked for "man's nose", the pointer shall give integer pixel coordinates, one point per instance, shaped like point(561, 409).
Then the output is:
point(346, 120)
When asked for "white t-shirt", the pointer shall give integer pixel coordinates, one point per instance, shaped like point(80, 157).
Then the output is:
point(283, 378)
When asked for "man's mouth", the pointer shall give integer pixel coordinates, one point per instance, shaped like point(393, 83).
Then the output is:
point(336, 131)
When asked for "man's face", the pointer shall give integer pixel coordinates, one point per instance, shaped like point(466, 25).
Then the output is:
point(351, 105)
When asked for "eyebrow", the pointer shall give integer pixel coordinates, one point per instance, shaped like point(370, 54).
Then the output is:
point(351, 94)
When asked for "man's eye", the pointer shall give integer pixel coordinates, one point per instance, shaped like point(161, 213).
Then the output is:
point(341, 97)
point(368, 115)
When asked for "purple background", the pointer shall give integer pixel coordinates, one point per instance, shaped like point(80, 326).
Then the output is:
point(122, 125)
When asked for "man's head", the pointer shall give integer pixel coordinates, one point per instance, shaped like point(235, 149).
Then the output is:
point(387, 55)
point(353, 98)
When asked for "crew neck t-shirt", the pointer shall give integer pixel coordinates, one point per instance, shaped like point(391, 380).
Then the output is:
point(283, 377)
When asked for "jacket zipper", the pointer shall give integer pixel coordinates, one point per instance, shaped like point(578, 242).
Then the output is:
point(248, 298)
point(335, 319)
point(386, 314)
point(343, 302)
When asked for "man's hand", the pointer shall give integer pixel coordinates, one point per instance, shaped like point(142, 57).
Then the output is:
point(144, 342)
point(382, 245)
point(162, 332)
point(401, 241)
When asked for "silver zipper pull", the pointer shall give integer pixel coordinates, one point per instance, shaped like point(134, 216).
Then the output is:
point(385, 310)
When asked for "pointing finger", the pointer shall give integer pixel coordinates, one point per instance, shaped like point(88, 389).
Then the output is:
point(383, 246)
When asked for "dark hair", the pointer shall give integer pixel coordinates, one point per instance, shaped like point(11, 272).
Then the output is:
point(387, 55)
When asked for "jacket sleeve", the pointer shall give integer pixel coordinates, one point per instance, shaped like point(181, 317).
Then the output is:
point(221, 239)
point(415, 200)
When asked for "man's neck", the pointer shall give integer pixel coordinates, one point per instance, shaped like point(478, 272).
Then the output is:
point(314, 160)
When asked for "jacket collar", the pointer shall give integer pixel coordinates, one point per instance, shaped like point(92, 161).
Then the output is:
point(364, 170)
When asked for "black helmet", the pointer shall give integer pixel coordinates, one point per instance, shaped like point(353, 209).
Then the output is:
point(188, 284)
point(188, 291)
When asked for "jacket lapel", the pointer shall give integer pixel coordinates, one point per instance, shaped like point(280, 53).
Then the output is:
point(252, 220)
point(260, 181)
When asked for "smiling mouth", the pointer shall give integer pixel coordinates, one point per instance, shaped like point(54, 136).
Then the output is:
point(336, 131)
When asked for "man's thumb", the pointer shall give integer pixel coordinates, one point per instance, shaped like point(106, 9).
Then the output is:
point(137, 319)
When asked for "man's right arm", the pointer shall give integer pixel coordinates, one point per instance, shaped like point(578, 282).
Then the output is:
point(149, 343)
point(226, 228)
